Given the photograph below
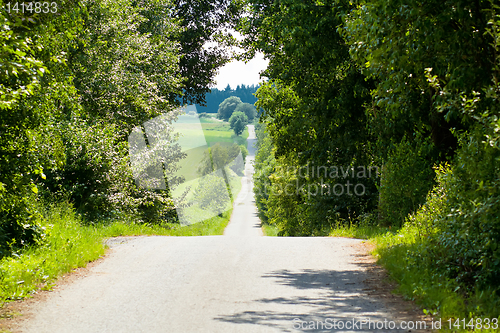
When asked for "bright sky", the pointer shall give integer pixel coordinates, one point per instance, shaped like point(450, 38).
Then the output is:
point(237, 72)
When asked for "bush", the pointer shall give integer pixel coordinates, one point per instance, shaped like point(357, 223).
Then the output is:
point(457, 229)
point(96, 177)
point(213, 192)
point(227, 107)
point(238, 122)
point(407, 176)
point(468, 237)
point(248, 109)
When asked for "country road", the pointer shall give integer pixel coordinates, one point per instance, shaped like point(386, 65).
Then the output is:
point(238, 282)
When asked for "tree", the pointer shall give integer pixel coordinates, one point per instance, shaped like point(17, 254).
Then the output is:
point(203, 22)
point(313, 106)
point(218, 157)
point(127, 68)
point(248, 109)
point(213, 192)
point(36, 89)
point(238, 122)
point(227, 107)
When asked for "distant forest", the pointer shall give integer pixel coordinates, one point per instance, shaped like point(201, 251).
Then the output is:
point(216, 96)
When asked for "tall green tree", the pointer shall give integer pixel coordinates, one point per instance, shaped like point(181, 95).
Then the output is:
point(238, 122)
point(313, 104)
point(227, 107)
point(35, 89)
point(248, 109)
point(203, 41)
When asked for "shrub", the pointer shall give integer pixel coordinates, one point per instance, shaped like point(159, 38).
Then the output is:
point(213, 192)
point(227, 107)
point(238, 122)
point(248, 109)
point(407, 176)
point(468, 237)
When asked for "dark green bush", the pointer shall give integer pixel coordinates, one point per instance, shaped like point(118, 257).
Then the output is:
point(458, 226)
point(407, 176)
point(467, 244)
point(96, 177)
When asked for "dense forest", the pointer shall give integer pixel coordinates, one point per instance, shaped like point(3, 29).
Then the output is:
point(215, 97)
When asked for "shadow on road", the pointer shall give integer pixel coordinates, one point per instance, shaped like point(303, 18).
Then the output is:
point(337, 295)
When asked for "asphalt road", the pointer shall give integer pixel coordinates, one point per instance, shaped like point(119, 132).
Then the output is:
point(238, 282)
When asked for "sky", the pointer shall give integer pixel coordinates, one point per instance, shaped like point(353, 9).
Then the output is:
point(237, 72)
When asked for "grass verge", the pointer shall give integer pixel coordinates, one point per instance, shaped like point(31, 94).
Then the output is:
point(68, 244)
point(361, 232)
point(441, 298)
point(270, 230)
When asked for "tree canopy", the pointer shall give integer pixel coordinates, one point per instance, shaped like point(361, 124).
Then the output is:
point(238, 121)
point(74, 85)
point(227, 107)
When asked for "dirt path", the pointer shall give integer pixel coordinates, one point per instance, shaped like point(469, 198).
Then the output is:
point(239, 282)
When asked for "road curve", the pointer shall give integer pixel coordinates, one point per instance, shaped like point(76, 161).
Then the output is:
point(239, 282)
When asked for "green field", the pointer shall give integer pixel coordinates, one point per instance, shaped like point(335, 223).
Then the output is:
point(214, 131)
point(196, 138)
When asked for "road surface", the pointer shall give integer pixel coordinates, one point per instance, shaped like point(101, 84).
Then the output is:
point(238, 282)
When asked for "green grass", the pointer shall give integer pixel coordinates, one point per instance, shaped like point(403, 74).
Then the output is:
point(270, 230)
point(360, 232)
point(212, 226)
point(188, 167)
point(66, 245)
point(438, 297)
point(220, 132)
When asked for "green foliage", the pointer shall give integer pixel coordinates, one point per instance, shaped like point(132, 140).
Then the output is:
point(264, 167)
point(220, 156)
point(35, 88)
point(248, 109)
point(127, 69)
point(202, 23)
point(406, 179)
point(73, 85)
point(227, 107)
point(212, 192)
point(313, 106)
point(469, 234)
point(434, 256)
point(238, 122)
